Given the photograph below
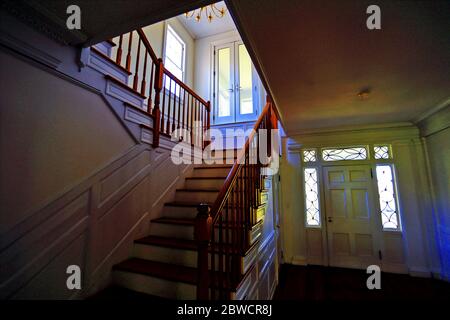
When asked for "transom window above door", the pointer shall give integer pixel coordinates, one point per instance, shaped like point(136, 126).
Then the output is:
point(236, 84)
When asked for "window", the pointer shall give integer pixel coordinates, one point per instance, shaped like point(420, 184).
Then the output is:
point(338, 154)
point(309, 155)
point(386, 193)
point(382, 152)
point(311, 198)
point(174, 55)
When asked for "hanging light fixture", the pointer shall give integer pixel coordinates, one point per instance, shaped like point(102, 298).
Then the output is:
point(209, 12)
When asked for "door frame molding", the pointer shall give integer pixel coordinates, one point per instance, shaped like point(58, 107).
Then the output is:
point(319, 164)
point(213, 83)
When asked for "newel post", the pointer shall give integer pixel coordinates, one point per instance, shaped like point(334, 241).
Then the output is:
point(159, 73)
point(202, 233)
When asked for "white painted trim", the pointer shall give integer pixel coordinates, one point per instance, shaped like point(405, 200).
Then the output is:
point(351, 128)
point(29, 51)
point(137, 117)
point(99, 63)
point(432, 111)
point(117, 91)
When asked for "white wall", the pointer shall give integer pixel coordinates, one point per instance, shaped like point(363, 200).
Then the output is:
point(408, 251)
point(436, 132)
point(156, 35)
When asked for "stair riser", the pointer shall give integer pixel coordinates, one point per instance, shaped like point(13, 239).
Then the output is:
point(179, 212)
point(182, 257)
point(204, 183)
point(196, 196)
point(155, 286)
point(211, 172)
point(172, 230)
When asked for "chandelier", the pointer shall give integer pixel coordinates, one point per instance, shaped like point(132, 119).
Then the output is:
point(209, 12)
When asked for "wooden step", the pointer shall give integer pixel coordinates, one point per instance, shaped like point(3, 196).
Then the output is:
point(160, 270)
point(200, 195)
point(176, 221)
point(168, 242)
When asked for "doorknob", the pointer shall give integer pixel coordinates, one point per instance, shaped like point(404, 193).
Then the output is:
point(231, 89)
point(330, 219)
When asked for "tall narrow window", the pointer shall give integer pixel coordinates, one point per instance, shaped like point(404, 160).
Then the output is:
point(388, 202)
point(174, 54)
point(312, 210)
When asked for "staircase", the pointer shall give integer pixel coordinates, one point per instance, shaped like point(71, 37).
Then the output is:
point(165, 262)
point(206, 242)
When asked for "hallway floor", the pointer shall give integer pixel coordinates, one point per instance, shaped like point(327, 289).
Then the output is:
point(317, 283)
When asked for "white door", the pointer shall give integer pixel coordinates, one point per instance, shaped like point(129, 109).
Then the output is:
point(236, 84)
point(353, 232)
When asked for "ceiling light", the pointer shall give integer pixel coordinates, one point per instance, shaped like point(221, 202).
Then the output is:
point(209, 12)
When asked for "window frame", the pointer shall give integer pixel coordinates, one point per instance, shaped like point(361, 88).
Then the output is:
point(370, 160)
point(169, 28)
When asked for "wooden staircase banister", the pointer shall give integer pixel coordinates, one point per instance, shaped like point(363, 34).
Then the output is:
point(176, 108)
point(232, 175)
point(227, 222)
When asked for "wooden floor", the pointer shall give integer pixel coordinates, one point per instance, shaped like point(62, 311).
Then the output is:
point(316, 283)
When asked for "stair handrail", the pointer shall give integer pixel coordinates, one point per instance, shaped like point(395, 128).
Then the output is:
point(211, 216)
point(184, 106)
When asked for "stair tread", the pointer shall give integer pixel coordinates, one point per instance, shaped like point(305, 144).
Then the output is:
point(168, 242)
point(167, 271)
point(179, 221)
point(202, 178)
point(198, 189)
point(214, 166)
point(185, 203)
point(178, 243)
point(162, 270)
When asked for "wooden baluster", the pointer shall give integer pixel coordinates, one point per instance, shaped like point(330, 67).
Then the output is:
point(213, 254)
point(164, 103)
point(159, 74)
point(175, 106)
point(183, 122)
point(128, 61)
point(197, 118)
point(221, 271)
point(202, 237)
point(136, 70)
point(179, 112)
point(119, 51)
point(208, 117)
point(169, 100)
point(144, 75)
point(149, 103)
point(227, 241)
point(191, 128)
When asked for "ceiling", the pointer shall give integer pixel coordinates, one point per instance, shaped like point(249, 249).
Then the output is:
point(100, 19)
point(317, 55)
point(203, 28)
